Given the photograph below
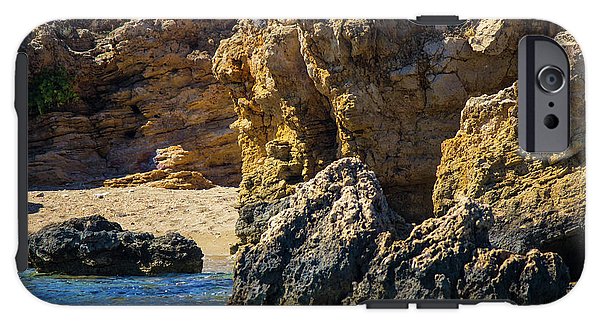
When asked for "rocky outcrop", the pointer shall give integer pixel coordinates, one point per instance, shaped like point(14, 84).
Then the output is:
point(141, 85)
point(386, 91)
point(538, 201)
point(319, 244)
point(168, 179)
point(173, 165)
point(450, 257)
point(95, 246)
point(336, 241)
point(533, 278)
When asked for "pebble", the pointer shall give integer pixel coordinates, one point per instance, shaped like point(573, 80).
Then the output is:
point(101, 195)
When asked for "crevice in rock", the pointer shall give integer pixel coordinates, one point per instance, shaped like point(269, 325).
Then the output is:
point(571, 248)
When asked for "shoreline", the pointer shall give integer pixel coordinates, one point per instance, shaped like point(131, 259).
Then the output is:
point(205, 216)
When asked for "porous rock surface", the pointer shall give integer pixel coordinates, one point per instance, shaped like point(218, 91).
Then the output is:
point(450, 257)
point(320, 243)
point(95, 246)
point(142, 85)
point(336, 241)
point(308, 92)
point(537, 201)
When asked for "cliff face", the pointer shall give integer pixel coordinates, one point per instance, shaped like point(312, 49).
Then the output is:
point(388, 92)
point(538, 201)
point(142, 86)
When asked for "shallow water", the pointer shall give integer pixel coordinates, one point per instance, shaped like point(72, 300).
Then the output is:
point(171, 289)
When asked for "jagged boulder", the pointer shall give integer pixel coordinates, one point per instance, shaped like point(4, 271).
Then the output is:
point(533, 278)
point(450, 258)
point(321, 242)
point(95, 246)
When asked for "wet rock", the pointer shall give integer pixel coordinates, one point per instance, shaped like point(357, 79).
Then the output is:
point(95, 246)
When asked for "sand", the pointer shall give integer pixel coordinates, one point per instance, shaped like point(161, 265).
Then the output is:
point(206, 216)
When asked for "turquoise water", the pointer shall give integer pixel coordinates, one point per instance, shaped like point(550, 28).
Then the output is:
point(172, 289)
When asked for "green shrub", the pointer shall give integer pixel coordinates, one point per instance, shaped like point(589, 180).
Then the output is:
point(51, 88)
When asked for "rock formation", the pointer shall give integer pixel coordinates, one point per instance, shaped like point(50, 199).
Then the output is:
point(142, 85)
point(312, 104)
point(450, 257)
point(388, 91)
point(538, 201)
point(318, 245)
point(173, 165)
point(94, 246)
point(337, 241)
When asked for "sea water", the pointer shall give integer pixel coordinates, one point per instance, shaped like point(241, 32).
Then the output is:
point(170, 289)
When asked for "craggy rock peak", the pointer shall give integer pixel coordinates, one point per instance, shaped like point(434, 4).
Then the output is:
point(142, 85)
point(336, 241)
point(319, 244)
point(387, 91)
point(94, 246)
point(538, 202)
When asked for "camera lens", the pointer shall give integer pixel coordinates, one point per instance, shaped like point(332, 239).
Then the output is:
point(551, 79)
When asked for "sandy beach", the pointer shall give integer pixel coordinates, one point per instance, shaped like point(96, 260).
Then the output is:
point(206, 216)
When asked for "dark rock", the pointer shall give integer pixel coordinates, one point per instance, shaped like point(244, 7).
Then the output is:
point(450, 258)
point(319, 244)
point(533, 278)
point(254, 219)
point(337, 241)
point(95, 246)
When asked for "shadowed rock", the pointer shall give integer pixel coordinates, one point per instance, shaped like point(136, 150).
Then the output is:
point(450, 258)
point(337, 241)
point(319, 244)
point(95, 246)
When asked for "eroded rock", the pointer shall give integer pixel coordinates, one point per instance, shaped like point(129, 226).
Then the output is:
point(538, 201)
point(173, 172)
point(335, 240)
point(450, 257)
point(142, 85)
point(95, 246)
point(386, 91)
point(315, 247)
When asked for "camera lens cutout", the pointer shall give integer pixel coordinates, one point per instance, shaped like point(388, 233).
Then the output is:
point(551, 79)
point(550, 121)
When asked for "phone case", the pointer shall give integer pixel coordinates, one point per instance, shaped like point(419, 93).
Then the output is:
point(291, 162)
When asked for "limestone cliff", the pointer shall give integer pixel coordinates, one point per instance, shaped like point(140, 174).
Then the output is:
point(386, 91)
point(141, 85)
point(538, 201)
